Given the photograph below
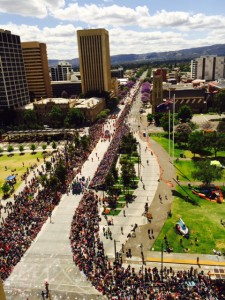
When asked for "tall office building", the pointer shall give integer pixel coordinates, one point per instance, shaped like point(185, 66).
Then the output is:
point(61, 72)
point(94, 58)
point(13, 83)
point(209, 67)
point(37, 72)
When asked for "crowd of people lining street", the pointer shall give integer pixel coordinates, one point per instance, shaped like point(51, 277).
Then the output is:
point(118, 282)
point(31, 208)
point(120, 130)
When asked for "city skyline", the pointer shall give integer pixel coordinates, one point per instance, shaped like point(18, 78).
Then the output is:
point(134, 26)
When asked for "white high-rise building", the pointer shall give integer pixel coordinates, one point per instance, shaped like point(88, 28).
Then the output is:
point(61, 72)
point(209, 67)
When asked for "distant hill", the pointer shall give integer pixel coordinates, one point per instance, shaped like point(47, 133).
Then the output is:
point(158, 56)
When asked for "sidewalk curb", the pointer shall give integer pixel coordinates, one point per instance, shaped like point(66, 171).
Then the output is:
point(186, 261)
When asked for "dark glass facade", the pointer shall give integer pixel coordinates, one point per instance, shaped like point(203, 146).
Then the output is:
point(13, 84)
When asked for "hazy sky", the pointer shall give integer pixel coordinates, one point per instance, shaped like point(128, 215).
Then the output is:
point(134, 26)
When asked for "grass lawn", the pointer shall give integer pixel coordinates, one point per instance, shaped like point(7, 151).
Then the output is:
point(203, 221)
point(134, 159)
point(16, 162)
point(164, 142)
point(184, 169)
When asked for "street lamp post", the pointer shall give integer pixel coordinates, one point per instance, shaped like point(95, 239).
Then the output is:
point(50, 213)
point(142, 256)
point(139, 160)
point(116, 258)
point(162, 262)
point(173, 123)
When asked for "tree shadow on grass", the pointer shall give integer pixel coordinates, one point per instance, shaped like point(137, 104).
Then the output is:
point(186, 197)
point(181, 173)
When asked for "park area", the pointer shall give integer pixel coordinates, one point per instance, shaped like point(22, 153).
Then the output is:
point(17, 164)
point(204, 218)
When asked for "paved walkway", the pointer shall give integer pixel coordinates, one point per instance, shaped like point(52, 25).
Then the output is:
point(50, 257)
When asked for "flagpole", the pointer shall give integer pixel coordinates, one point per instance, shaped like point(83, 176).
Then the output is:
point(169, 132)
point(173, 123)
point(169, 124)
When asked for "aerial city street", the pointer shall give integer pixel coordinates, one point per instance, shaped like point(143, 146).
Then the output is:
point(112, 150)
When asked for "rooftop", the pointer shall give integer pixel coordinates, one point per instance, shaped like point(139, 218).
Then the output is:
point(220, 84)
point(88, 103)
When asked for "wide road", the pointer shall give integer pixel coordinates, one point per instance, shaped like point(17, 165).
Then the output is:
point(50, 257)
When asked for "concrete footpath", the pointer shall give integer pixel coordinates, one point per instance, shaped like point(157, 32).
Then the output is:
point(159, 209)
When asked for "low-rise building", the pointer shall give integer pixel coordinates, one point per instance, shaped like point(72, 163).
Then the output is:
point(91, 107)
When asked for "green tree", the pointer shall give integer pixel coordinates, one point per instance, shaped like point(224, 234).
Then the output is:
point(185, 113)
point(215, 141)
point(48, 165)
point(150, 118)
point(103, 114)
point(112, 202)
point(30, 117)
point(182, 133)
point(32, 147)
point(84, 140)
point(56, 116)
point(109, 180)
point(60, 172)
point(164, 121)
point(54, 145)
point(206, 173)
point(77, 141)
point(221, 127)
point(220, 101)
point(111, 103)
point(128, 144)
point(44, 146)
point(10, 149)
point(114, 171)
point(127, 173)
point(196, 142)
point(1, 150)
point(74, 117)
point(44, 179)
point(71, 150)
point(54, 182)
point(6, 189)
point(21, 149)
point(157, 118)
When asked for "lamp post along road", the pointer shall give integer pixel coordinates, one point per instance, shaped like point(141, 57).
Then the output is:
point(162, 262)
point(173, 124)
point(116, 257)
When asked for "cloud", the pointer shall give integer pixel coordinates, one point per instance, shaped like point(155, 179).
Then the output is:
point(115, 15)
point(111, 15)
point(62, 40)
point(30, 8)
